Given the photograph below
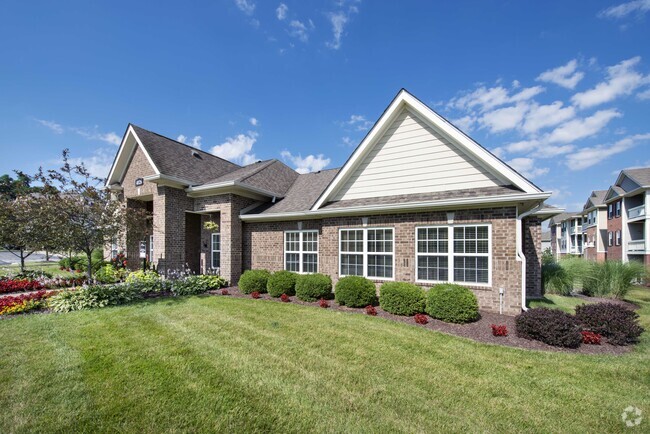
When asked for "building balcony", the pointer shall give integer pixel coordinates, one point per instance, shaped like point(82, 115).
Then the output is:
point(576, 230)
point(637, 212)
point(636, 246)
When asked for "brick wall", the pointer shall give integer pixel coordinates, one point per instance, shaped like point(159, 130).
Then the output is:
point(614, 224)
point(169, 232)
point(264, 248)
point(532, 249)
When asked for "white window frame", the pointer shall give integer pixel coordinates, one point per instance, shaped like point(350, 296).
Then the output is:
point(618, 207)
point(610, 211)
point(617, 238)
point(300, 252)
point(115, 249)
point(365, 252)
point(150, 248)
point(213, 250)
point(451, 253)
point(610, 239)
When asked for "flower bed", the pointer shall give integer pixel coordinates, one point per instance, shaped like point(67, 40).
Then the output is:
point(24, 303)
point(24, 285)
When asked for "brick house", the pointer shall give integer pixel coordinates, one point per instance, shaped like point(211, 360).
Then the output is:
point(628, 219)
point(594, 227)
point(417, 201)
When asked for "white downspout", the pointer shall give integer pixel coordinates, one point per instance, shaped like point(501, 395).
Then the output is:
point(520, 253)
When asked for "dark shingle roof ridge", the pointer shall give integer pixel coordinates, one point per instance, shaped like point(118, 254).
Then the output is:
point(634, 175)
point(185, 144)
point(262, 165)
point(239, 177)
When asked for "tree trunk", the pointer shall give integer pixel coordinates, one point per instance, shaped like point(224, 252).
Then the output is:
point(89, 255)
point(22, 260)
point(47, 256)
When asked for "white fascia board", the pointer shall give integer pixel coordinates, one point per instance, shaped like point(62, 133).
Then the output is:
point(122, 159)
point(167, 180)
point(439, 123)
point(459, 203)
point(549, 211)
point(227, 186)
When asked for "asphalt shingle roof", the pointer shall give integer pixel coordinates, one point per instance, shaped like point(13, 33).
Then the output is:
point(597, 198)
point(640, 176)
point(177, 159)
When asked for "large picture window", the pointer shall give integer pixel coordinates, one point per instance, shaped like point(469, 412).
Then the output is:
point(453, 254)
point(216, 250)
point(367, 252)
point(301, 251)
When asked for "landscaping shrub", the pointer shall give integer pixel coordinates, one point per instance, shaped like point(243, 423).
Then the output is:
point(550, 326)
point(499, 330)
point(590, 338)
point(254, 280)
point(22, 285)
point(555, 279)
point(421, 318)
point(612, 278)
point(255, 294)
point(617, 323)
point(285, 298)
point(146, 281)
point(196, 284)
point(355, 291)
point(401, 298)
point(311, 287)
point(282, 282)
point(32, 275)
point(452, 303)
point(370, 310)
point(108, 274)
point(323, 303)
point(94, 296)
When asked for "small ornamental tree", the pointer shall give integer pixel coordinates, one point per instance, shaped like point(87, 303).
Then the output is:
point(87, 217)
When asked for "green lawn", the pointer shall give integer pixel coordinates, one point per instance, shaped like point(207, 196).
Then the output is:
point(210, 364)
point(51, 267)
point(567, 304)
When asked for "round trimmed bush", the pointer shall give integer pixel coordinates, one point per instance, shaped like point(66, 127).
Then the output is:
point(401, 298)
point(311, 287)
point(355, 291)
point(254, 280)
point(452, 303)
point(282, 282)
point(551, 326)
point(617, 323)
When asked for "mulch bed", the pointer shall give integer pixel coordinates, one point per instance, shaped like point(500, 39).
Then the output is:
point(479, 331)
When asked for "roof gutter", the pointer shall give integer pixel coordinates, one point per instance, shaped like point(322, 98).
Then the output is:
point(520, 253)
point(168, 180)
point(413, 206)
point(206, 188)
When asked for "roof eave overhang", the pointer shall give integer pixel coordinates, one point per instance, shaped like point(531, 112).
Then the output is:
point(234, 187)
point(460, 203)
point(549, 212)
point(121, 160)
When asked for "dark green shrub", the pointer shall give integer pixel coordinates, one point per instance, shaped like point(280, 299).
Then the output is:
point(550, 326)
point(282, 282)
point(401, 298)
point(147, 281)
point(617, 323)
point(254, 280)
point(452, 303)
point(355, 291)
point(192, 285)
point(94, 296)
point(311, 287)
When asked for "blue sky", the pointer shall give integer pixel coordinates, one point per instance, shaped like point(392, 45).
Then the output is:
point(561, 90)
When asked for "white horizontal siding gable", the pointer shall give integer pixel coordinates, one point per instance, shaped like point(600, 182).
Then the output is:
point(411, 157)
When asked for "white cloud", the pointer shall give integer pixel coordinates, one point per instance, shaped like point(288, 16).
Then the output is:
point(253, 121)
point(542, 116)
point(347, 141)
point(624, 9)
point(281, 11)
point(93, 134)
point(623, 79)
point(98, 164)
point(644, 95)
point(565, 76)
point(246, 6)
point(237, 149)
point(587, 157)
point(465, 123)
point(358, 122)
point(308, 164)
point(53, 126)
point(550, 151)
point(505, 118)
point(526, 166)
point(339, 20)
point(485, 98)
point(577, 129)
point(194, 141)
point(298, 29)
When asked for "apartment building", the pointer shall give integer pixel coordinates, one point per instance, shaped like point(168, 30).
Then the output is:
point(566, 234)
point(594, 227)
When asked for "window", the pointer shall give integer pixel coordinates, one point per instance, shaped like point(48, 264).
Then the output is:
point(114, 249)
point(610, 237)
point(367, 252)
point(150, 248)
point(618, 238)
point(215, 249)
point(301, 251)
point(618, 208)
point(463, 249)
point(610, 211)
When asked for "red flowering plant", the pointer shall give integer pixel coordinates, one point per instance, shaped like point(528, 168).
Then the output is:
point(255, 294)
point(24, 302)
point(285, 298)
point(421, 318)
point(499, 330)
point(323, 303)
point(119, 261)
point(590, 338)
point(370, 310)
point(224, 291)
point(19, 285)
